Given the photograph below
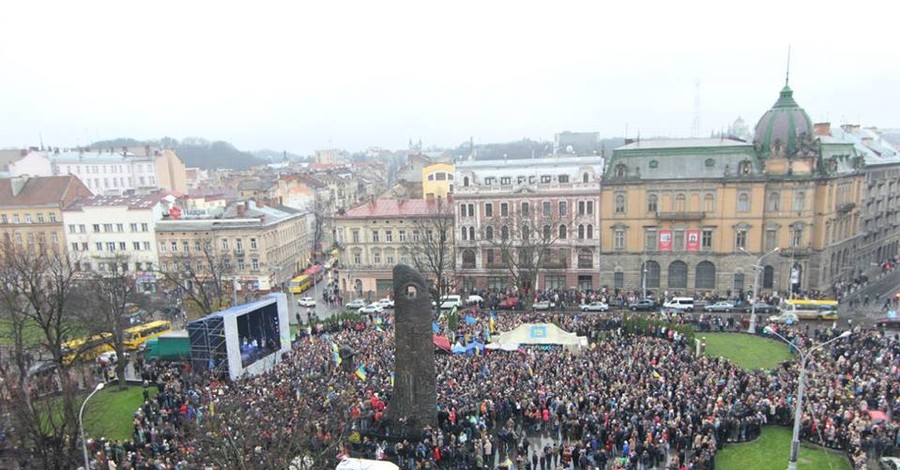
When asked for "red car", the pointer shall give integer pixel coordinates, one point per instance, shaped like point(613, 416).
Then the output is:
point(508, 303)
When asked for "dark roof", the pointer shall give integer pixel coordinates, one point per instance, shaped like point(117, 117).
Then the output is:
point(133, 202)
point(38, 191)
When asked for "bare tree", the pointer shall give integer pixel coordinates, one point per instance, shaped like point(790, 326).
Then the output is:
point(319, 221)
point(201, 274)
point(432, 248)
point(525, 238)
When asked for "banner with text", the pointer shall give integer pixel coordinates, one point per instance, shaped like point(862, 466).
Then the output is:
point(693, 240)
point(665, 240)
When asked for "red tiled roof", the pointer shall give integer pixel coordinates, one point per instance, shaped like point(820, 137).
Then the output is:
point(396, 208)
point(40, 191)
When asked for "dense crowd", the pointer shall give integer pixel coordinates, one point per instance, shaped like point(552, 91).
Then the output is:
point(632, 399)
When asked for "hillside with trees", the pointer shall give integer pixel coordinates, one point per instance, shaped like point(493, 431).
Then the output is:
point(194, 151)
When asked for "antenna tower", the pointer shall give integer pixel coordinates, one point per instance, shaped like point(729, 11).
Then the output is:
point(695, 124)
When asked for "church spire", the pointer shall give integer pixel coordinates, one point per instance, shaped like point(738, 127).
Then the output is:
point(787, 74)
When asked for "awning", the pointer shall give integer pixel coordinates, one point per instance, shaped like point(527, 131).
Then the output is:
point(441, 342)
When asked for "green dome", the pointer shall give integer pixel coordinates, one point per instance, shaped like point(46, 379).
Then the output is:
point(780, 131)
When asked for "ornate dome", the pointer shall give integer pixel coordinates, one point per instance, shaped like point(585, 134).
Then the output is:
point(785, 130)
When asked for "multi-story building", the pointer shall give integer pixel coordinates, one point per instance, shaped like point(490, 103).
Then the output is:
point(552, 203)
point(262, 247)
point(683, 215)
point(116, 234)
point(437, 180)
point(31, 210)
point(111, 172)
point(376, 235)
point(25, 162)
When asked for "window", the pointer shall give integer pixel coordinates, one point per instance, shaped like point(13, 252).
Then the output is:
point(133, 227)
point(401, 235)
point(238, 245)
point(585, 178)
point(743, 202)
point(526, 232)
point(15, 218)
point(468, 259)
point(489, 257)
point(27, 218)
point(120, 227)
point(618, 280)
point(254, 264)
point(489, 180)
point(738, 282)
point(679, 203)
point(96, 228)
point(174, 245)
point(709, 204)
point(563, 178)
point(111, 246)
point(796, 236)
point(621, 170)
point(563, 208)
point(768, 277)
point(376, 257)
point(108, 228)
point(429, 235)
point(252, 243)
point(547, 208)
point(4, 219)
point(136, 246)
point(504, 233)
point(619, 239)
point(52, 216)
point(548, 232)
point(374, 235)
point(652, 203)
point(389, 236)
point(357, 258)
point(799, 201)
point(771, 238)
point(740, 239)
point(463, 233)
point(505, 180)
point(240, 264)
point(585, 259)
point(525, 209)
point(678, 240)
point(654, 164)
point(146, 246)
point(355, 234)
point(471, 233)
point(620, 204)
point(564, 257)
point(74, 246)
point(466, 181)
point(546, 178)
point(581, 232)
point(488, 209)
point(81, 228)
point(225, 244)
point(415, 235)
point(705, 276)
point(706, 239)
point(562, 232)
point(650, 239)
point(40, 217)
point(145, 227)
point(590, 207)
point(489, 233)
point(590, 232)
point(71, 228)
point(581, 208)
point(774, 202)
point(677, 275)
point(162, 246)
point(650, 272)
point(504, 209)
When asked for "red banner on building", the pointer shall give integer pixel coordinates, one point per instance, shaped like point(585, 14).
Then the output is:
point(665, 240)
point(693, 240)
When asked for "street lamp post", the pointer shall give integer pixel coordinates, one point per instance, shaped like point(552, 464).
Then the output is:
point(752, 328)
point(87, 463)
point(644, 279)
point(801, 387)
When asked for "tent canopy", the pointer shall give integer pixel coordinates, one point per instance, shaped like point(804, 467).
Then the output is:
point(364, 464)
point(540, 333)
point(441, 342)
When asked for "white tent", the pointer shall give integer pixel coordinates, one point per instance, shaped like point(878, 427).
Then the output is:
point(364, 464)
point(540, 333)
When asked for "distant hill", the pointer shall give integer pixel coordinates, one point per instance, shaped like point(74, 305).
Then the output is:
point(195, 152)
point(275, 156)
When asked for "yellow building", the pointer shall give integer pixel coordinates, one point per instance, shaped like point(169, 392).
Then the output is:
point(696, 215)
point(31, 209)
point(437, 180)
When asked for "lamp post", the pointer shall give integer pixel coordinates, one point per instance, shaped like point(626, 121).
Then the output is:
point(759, 268)
point(87, 463)
point(801, 386)
point(644, 279)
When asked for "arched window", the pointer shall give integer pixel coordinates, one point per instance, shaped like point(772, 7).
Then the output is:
point(678, 275)
point(799, 201)
point(738, 282)
point(621, 170)
point(652, 203)
point(705, 276)
point(743, 202)
point(464, 233)
point(651, 272)
point(465, 181)
point(709, 204)
point(585, 178)
point(562, 232)
point(504, 233)
point(679, 203)
point(489, 233)
point(581, 232)
point(774, 201)
point(620, 204)
point(585, 258)
point(768, 277)
point(471, 233)
point(468, 259)
point(548, 232)
point(525, 232)
point(590, 232)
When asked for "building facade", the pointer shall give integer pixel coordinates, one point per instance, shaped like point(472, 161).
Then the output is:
point(696, 215)
point(116, 233)
point(113, 172)
point(31, 210)
point(437, 180)
point(260, 247)
point(504, 208)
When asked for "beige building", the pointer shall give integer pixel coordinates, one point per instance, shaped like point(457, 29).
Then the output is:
point(260, 247)
point(376, 235)
point(31, 210)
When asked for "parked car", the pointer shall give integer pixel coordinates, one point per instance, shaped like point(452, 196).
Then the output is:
point(450, 301)
point(374, 307)
point(508, 303)
point(596, 306)
point(386, 303)
point(722, 306)
point(543, 305)
point(306, 302)
point(474, 299)
point(355, 304)
point(680, 303)
point(786, 318)
point(643, 305)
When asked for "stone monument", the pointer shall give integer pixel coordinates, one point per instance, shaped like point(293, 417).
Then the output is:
point(413, 401)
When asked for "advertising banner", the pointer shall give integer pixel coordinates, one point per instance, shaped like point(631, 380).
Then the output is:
point(665, 240)
point(693, 240)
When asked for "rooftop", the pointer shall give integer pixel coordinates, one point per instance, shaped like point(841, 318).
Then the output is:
point(396, 208)
point(132, 202)
point(41, 190)
point(683, 143)
point(95, 157)
point(556, 161)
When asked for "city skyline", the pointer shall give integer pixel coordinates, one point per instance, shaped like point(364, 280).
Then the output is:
point(307, 77)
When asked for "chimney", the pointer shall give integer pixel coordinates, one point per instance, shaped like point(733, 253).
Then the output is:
point(822, 128)
point(17, 183)
point(147, 150)
point(241, 208)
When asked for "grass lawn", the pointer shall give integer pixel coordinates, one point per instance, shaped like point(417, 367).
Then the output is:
point(111, 411)
point(747, 351)
point(771, 451)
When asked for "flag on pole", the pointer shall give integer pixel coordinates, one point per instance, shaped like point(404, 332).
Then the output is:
point(361, 372)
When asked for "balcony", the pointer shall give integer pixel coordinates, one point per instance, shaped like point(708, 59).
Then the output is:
point(795, 252)
point(680, 216)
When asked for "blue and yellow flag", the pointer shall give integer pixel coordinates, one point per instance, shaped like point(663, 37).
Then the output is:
point(361, 372)
point(336, 354)
point(392, 379)
point(379, 329)
point(491, 322)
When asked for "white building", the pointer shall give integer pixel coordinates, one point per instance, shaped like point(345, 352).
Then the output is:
point(108, 172)
point(30, 162)
point(101, 230)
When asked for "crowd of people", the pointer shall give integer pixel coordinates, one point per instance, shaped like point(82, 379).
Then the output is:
point(632, 399)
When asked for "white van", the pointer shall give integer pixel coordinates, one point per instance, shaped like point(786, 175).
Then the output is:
point(680, 303)
point(451, 301)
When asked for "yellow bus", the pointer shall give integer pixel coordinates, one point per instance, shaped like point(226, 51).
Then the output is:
point(87, 348)
point(137, 335)
point(300, 283)
point(811, 309)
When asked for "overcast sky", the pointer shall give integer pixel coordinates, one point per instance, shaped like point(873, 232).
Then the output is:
point(375, 73)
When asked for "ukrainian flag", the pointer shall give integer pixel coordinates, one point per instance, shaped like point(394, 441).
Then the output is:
point(491, 322)
point(361, 372)
point(336, 354)
point(392, 379)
